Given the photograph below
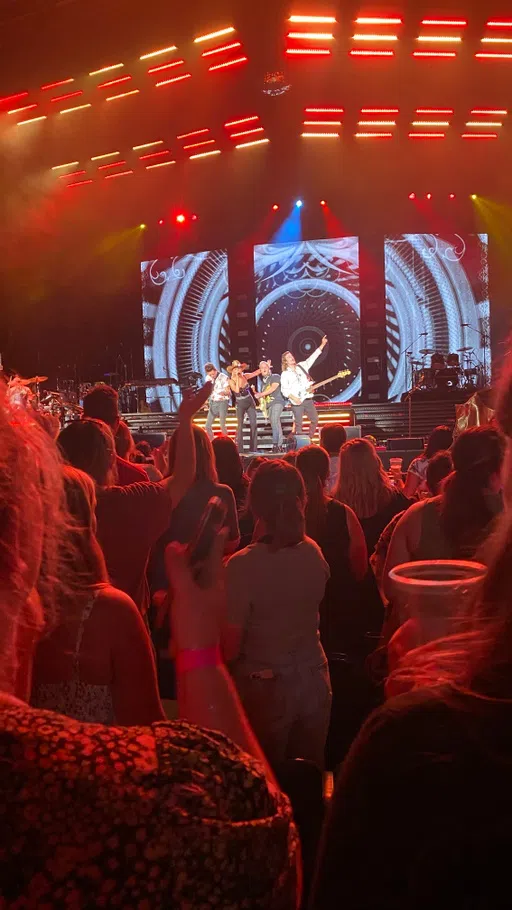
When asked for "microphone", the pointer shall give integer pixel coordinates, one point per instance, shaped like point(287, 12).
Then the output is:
point(423, 334)
point(466, 325)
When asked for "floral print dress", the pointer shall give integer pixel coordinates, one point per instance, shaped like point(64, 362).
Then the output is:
point(167, 816)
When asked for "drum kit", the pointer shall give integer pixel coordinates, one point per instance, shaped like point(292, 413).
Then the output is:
point(27, 394)
point(459, 370)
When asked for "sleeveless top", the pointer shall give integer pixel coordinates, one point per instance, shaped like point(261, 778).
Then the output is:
point(75, 698)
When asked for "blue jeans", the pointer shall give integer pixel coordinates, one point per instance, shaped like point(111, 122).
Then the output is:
point(274, 412)
point(217, 409)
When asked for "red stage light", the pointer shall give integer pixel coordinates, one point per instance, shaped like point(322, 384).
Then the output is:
point(195, 145)
point(165, 66)
point(429, 196)
point(461, 23)
point(412, 195)
point(120, 174)
point(106, 69)
point(308, 52)
point(134, 91)
point(193, 133)
point(13, 97)
point(479, 135)
point(26, 107)
point(494, 56)
point(256, 129)
point(161, 222)
point(452, 196)
point(238, 122)
point(176, 79)
point(434, 110)
point(361, 53)
point(323, 202)
point(434, 54)
point(380, 110)
point(154, 154)
point(324, 110)
point(64, 97)
point(223, 31)
point(377, 20)
point(221, 49)
point(222, 66)
point(163, 50)
point(488, 110)
point(194, 217)
point(114, 81)
point(181, 218)
point(106, 167)
point(500, 23)
point(45, 88)
point(275, 207)
point(72, 174)
point(78, 183)
point(427, 135)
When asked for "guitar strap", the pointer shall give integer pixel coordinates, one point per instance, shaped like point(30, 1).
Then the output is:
point(307, 375)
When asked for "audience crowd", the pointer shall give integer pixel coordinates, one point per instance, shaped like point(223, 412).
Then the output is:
point(166, 724)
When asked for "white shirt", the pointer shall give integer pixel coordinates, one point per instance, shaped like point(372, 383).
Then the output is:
point(221, 390)
point(295, 382)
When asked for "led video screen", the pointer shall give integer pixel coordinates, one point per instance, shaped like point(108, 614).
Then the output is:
point(437, 307)
point(184, 305)
point(305, 290)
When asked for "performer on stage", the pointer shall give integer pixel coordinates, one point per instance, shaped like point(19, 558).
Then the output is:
point(271, 402)
point(295, 383)
point(239, 384)
point(219, 399)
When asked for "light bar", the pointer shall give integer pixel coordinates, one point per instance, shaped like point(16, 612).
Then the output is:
point(151, 167)
point(107, 69)
point(496, 40)
point(18, 110)
point(322, 123)
point(33, 120)
point(106, 155)
point(221, 49)
point(361, 53)
point(105, 167)
point(324, 110)
point(193, 133)
point(222, 66)
point(434, 54)
point(308, 51)
point(320, 135)
point(59, 167)
point(456, 23)
point(219, 34)
point(120, 174)
point(431, 123)
point(79, 107)
point(380, 110)
point(487, 110)
point(311, 36)
point(435, 110)
point(146, 145)
point(205, 154)
point(176, 79)
point(440, 39)
point(164, 66)
point(196, 145)
point(479, 135)
point(155, 155)
point(246, 145)
point(114, 81)
point(426, 135)
point(495, 56)
point(255, 129)
point(78, 183)
point(134, 91)
point(163, 50)
point(500, 23)
point(72, 174)
point(485, 123)
point(64, 97)
point(46, 88)
point(377, 123)
point(363, 37)
point(239, 122)
point(374, 135)
point(377, 20)
point(318, 20)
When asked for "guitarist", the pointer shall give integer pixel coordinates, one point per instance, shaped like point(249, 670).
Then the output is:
point(295, 383)
point(271, 402)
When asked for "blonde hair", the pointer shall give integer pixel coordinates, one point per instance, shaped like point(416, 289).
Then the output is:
point(362, 481)
point(284, 365)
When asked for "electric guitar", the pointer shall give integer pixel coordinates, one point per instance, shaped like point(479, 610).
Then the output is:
point(296, 399)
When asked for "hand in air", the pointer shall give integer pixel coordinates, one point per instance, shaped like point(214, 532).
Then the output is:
point(324, 341)
point(196, 611)
point(193, 402)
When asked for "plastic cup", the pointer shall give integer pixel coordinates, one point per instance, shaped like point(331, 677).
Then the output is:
point(395, 465)
point(436, 590)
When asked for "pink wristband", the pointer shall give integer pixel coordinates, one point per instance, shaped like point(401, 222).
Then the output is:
point(197, 659)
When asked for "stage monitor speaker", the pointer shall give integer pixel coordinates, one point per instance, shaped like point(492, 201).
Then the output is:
point(294, 442)
point(353, 432)
point(411, 444)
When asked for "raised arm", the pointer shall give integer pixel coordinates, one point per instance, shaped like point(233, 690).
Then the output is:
point(185, 461)
point(252, 375)
point(307, 364)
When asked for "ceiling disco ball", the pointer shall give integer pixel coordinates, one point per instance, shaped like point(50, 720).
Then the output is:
point(275, 84)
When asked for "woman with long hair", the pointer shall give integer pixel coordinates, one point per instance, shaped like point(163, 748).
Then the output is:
point(275, 587)
point(97, 663)
point(364, 486)
point(456, 523)
point(230, 469)
point(439, 440)
point(427, 789)
point(97, 814)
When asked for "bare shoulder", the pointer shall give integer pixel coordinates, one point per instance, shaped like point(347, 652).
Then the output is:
point(114, 603)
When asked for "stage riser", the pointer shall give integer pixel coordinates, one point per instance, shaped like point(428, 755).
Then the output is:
point(381, 420)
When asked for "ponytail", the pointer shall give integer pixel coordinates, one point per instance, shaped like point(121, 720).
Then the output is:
point(277, 497)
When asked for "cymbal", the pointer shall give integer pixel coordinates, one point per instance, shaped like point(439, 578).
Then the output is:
point(427, 351)
point(34, 379)
point(464, 350)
